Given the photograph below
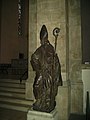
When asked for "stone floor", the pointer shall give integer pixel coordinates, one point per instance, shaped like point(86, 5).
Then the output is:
point(7, 114)
point(77, 117)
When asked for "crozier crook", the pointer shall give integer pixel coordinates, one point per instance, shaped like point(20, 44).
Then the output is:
point(56, 33)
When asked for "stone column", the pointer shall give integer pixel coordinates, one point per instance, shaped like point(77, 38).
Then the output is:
point(32, 44)
point(52, 13)
point(76, 95)
point(66, 15)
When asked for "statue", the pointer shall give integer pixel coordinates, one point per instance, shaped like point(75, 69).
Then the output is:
point(46, 64)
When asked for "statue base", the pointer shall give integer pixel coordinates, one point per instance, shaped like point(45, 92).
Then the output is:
point(37, 115)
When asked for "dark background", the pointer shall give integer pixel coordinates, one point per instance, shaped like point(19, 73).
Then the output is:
point(85, 29)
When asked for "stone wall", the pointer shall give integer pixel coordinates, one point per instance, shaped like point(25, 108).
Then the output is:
point(64, 14)
point(52, 14)
point(32, 46)
point(75, 56)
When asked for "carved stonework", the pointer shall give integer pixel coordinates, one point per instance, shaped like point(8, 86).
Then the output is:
point(46, 64)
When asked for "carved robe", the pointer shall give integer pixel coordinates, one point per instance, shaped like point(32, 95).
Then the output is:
point(46, 64)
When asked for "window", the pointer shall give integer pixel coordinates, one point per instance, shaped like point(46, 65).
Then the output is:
point(19, 17)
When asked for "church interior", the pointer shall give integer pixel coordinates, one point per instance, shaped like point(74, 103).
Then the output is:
point(20, 24)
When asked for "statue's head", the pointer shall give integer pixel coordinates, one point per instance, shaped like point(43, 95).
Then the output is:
point(43, 35)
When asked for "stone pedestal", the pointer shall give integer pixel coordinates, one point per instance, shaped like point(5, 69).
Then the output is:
point(36, 115)
point(62, 102)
